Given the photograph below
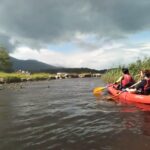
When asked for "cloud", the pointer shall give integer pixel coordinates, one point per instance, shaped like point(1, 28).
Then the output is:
point(107, 57)
point(98, 29)
point(7, 42)
point(37, 23)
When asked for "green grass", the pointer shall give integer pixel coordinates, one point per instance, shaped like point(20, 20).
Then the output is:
point(134, 68)
point(18, 77)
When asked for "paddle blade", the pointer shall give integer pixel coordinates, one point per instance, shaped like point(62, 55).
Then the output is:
point(98, 90)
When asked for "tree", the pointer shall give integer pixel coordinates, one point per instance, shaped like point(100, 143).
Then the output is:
point(5, 64)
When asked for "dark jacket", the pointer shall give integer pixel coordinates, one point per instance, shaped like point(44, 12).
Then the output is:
point(143, 87)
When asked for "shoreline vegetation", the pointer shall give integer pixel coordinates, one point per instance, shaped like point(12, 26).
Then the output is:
point(113, 74)
point(23, 77)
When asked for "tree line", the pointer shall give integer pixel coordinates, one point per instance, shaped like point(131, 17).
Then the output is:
point(5, 63)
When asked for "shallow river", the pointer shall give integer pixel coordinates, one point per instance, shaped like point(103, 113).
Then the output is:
point(64, 115)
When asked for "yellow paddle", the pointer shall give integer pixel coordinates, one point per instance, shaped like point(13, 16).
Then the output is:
point(98, 90)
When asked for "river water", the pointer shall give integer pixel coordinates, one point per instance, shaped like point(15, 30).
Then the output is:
point(64, 115)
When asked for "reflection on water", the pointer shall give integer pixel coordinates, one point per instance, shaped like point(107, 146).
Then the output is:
point(63, 114)
point(146, 124)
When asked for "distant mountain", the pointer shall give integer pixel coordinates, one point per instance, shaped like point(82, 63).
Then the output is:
point(37, 66)
point(29, 65)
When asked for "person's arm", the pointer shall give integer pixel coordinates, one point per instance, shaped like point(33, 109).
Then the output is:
point(135, 84)
point(119, 80)
point(141, 85)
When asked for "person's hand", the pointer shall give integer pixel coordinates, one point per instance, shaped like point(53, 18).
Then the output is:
point(127, 89)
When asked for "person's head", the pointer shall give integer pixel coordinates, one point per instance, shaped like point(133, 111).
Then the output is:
point(146, 73)
point(125, 70)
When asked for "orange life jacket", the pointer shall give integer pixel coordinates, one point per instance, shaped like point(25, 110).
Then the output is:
point(127, 79)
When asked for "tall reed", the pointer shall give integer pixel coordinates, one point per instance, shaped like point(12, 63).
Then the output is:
point(134, 68)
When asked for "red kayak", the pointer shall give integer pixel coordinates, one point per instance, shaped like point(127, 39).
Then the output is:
point(128, 97)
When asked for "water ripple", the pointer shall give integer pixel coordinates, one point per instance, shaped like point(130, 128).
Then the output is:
point(67, 116)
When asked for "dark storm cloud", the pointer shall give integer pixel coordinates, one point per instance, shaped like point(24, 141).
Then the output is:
point(36, 23)
point(5, 41)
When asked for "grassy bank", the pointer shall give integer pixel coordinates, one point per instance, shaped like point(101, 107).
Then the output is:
point(134, 68)
point(19, 77)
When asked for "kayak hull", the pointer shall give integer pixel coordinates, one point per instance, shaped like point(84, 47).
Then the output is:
point(128, 97)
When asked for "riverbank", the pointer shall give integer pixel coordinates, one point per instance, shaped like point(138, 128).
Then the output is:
point(23, 77)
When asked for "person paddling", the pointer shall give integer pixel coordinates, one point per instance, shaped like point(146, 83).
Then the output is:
point(126, 80)
point(142, 86)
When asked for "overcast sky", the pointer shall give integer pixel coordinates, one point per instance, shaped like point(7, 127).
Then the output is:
point(96, 34)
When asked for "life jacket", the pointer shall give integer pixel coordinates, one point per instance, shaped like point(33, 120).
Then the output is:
point(127, 80)
point(147, 86)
